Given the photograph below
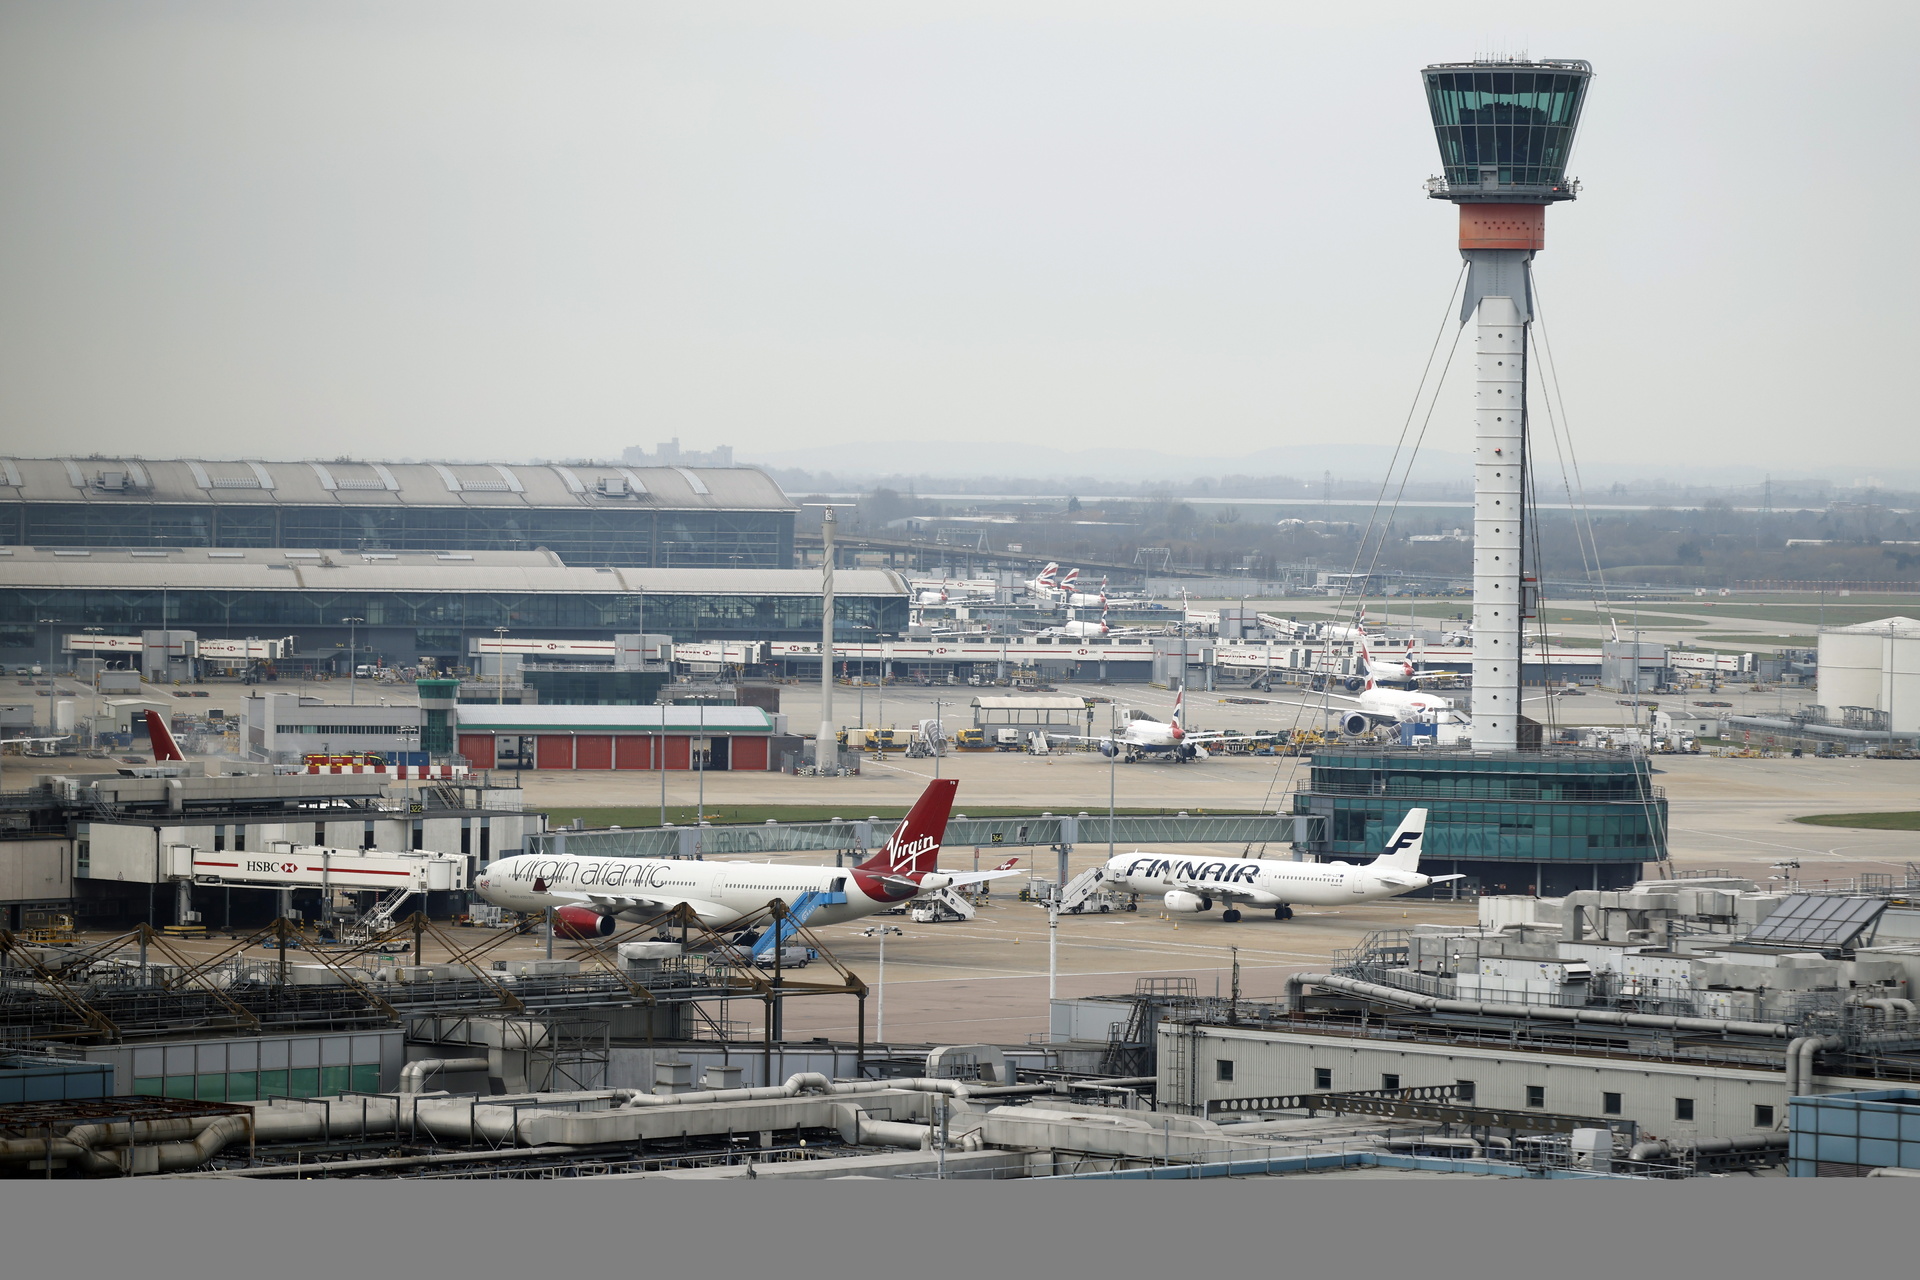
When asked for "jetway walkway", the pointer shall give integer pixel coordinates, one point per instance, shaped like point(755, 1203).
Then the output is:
point(859, 836)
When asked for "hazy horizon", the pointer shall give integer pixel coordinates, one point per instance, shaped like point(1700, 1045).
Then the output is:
point(446, 229)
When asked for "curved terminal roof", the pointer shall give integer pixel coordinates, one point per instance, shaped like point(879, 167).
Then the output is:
point(388, 484)
point(272, 569)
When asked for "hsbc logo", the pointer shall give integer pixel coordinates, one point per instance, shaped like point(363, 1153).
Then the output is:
point(284, 868)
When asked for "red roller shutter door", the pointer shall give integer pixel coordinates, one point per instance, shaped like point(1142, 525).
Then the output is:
point(749, 753)
point(554, 751)
point(593, 751)
point(478, 749)
point(632, 751)
point(679, 753)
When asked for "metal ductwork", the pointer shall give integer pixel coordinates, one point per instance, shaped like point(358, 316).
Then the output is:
point(1557, 1013)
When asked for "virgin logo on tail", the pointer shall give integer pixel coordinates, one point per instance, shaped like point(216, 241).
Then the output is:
point(914, 847)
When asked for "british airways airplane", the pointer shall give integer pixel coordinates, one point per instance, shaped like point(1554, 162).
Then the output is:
point(1192, 885)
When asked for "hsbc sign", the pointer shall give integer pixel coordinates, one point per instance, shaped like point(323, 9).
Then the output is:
point(338, 868)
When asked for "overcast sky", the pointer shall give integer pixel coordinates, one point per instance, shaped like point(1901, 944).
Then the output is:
point(384, 228)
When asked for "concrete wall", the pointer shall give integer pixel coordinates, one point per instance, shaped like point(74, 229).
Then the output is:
point(1284, 1062)
point(36, 870)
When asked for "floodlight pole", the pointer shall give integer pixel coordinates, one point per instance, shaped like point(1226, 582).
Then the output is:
point(825, 747)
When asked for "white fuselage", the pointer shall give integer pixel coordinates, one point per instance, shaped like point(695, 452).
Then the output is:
point(1259, 882)
point(1076, 630)
point(1402, 704)
point(719, 892)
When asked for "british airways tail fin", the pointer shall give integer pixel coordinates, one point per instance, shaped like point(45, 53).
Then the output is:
point(1403, 851)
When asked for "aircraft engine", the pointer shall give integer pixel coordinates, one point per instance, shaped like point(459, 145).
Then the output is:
point(582, 922)
point(1355, 724)
point(1185, 903)
point(1355, 684)
point(1108, 749)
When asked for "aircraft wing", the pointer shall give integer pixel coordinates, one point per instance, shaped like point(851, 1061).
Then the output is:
point(1226, 893)
point(960, 879)
point(60, 738)
point(624, 904)
point(1439, 675)
point(1309, 703)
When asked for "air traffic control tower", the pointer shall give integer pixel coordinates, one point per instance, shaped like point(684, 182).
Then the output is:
point(1505, 131)
point(1504, 812)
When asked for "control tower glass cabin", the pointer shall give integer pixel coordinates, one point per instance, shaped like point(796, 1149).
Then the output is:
point(1505, 129)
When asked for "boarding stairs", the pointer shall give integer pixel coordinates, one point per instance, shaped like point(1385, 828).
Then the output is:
point(799, 911)
point(1079, 890)
point(380, 917)
point(945, 905)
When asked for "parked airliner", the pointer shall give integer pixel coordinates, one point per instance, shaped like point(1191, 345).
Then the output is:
point(594, 894)
point(1193, 885)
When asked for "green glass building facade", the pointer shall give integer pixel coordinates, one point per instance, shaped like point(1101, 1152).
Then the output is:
point(1511, 822)
point(643, 539)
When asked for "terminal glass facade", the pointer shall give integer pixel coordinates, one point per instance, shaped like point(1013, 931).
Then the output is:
point(635, 539)
point(399, 627)
point(1517, 119)
point(1514, 822)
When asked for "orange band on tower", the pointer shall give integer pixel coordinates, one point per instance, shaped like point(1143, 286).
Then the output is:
point(1503, 226)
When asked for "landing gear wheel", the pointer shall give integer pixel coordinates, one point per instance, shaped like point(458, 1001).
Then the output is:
point(1230, 916)
point(1279, 913)
point(1285, 913)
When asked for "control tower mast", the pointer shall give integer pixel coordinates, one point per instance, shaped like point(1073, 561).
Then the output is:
point(1505, 130)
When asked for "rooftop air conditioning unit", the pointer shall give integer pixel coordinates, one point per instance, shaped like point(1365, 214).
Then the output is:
point(613, 486)
point(111, 481)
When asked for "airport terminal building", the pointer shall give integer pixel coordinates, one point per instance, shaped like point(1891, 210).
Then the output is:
point(398, 607)
point(586, 514)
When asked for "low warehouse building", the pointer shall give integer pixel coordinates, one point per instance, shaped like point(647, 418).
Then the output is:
point(673, 737)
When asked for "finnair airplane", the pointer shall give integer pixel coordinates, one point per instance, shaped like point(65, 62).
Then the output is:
point(593, 895)
point(1192, 885)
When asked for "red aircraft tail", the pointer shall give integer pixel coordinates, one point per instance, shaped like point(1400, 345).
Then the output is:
point(914, 847)
point(165, 749)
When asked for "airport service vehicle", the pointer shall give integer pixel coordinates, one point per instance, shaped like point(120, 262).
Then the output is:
point(1192, 885)
point(592, 895)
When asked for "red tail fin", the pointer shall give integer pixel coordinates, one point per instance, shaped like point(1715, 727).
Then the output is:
point(165, 749)
point(914, 847)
